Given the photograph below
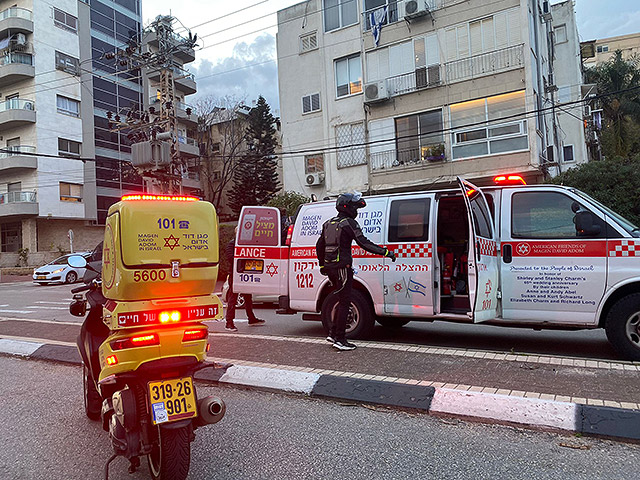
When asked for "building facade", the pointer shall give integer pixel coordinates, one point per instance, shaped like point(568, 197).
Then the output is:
point(442, 88)
point(602, 49)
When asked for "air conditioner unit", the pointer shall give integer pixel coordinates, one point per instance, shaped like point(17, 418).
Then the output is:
point(415, 9)
point(314, 179)
point(376, 92)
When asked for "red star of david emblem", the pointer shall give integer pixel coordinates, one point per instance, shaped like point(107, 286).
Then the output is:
point(171, 242)
point(524, 249)
point(107, 257)
point(272, 269)
point(398, 287)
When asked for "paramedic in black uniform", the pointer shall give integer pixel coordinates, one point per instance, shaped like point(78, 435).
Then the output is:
point(334, 256)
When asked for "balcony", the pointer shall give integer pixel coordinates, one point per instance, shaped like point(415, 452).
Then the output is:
point(16, 66)
point(16, 19)
point(188, 147)
point(15, 112)
point(183, 53)
point(17, 204)
point(181, 112)
point(412, 82)
point(184, 80)
point(13, 159)
point(191, 179)
point(402, 159)
point(485, 64)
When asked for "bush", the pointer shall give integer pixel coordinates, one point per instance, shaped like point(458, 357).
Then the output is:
point(288, 202)
point(614, 182)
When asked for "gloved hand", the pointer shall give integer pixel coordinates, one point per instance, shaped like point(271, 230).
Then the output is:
point(391, 255)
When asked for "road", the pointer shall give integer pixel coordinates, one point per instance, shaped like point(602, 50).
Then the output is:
point(27, 300)
point(44, 435)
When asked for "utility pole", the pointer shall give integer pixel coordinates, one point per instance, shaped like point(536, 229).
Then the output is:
point(149, 130)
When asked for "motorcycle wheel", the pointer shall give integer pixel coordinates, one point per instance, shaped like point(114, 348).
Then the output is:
point(92, 399)
point(171, 454)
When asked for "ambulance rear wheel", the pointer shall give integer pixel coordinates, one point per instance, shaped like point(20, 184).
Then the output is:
point(623, 326)
point(360, 321)
point(392, 322)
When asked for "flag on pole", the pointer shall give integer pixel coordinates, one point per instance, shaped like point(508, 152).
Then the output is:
point(377, 18)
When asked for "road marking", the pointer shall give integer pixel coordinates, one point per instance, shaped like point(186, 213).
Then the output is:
point(17, 311)
point(46, 341)
point(35, 320)
point(18, 347)
point(48, 307)
point(2, 306)
point(54, 303)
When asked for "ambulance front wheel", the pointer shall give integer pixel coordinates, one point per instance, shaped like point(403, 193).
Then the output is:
point(623, 326)
point(360, 321)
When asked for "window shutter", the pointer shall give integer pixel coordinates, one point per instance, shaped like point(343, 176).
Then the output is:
point(488, 38)
point(306, 104)
point(463, 41)
point(500, 24)
point(433, 52)
point(475, 37)
point(451, 44)
point(513, 26)
point(315, 102)
point(308, 42)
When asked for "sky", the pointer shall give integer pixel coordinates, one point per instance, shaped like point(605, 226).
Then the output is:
point(237, 42)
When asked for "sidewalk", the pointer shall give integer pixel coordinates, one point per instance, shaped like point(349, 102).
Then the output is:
point(6, 278)
point(577, 395)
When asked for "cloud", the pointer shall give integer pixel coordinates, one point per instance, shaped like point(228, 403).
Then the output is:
point(250, 71)
point(592, 24)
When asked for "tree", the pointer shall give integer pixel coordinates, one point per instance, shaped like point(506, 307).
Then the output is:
point(255, 179)
point(288, 202)
point(221, 128)
point(615, 182)
point(621, 109)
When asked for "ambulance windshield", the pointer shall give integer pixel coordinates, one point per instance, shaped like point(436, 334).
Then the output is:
point(623, 222)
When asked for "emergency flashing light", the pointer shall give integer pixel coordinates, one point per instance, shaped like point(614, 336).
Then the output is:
point(112, 360)
point(289, 236)
point(470, 192)
point(173, 316)
point(138, 341)
point(195, 334)
point(165, 198)
point(509, 180)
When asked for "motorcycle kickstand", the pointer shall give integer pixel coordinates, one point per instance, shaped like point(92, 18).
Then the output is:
point(106, 467)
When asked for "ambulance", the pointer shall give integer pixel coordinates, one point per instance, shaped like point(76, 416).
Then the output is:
point(535, 256)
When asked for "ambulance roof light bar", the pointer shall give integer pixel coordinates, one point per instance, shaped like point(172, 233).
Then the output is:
point(166, 198)
point(509, 180)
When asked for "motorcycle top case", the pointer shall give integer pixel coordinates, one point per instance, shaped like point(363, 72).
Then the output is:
point(159, 249)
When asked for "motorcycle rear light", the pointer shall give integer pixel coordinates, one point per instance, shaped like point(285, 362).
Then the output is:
point(112, 360)
point(134, 342)
point(172, 316)
point(195, 334)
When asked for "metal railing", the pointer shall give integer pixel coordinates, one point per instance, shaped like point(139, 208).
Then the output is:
point(18, 197)
point(16, 150)
point(17, 104)
point(16, 12)
point(187, 141)
point(23, 58)
point(485, 64)
point(417, 80)
point(191, 175)
point(409, 157)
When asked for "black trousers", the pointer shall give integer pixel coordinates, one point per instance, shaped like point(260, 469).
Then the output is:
point(342, 278)
point(232, 299)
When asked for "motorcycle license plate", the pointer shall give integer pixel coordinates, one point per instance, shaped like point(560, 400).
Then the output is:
point(172, 400)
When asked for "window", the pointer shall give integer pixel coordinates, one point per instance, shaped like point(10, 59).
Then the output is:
point(489, 126)
point(10, 236)
point(215, 147)
point(308, 42)
point(567, 152)
point(481, 217)
point(419, 138)
point(68, 148)
point(70, 192)
point(67, 63)
point(348, 76)
point(350, 142)
point(602, 48)
point(339, 13)
point(311, 103)
point(314, 164)
point(409, 220)
point(560, 34)
point(372, 6)
point(547, 215)
point(68, 106)
point(64, 20)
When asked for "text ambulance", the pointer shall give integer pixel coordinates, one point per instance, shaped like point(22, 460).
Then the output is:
point(539, 256)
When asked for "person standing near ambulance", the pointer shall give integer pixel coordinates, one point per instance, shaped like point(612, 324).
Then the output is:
point(333, 250)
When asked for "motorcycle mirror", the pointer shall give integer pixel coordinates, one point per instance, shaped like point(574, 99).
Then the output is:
point(77, 261)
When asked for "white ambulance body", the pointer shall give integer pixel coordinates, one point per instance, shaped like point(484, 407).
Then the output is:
point(539, 256)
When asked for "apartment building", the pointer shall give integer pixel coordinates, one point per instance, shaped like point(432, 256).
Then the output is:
point(602, 49)
point(42, 196)
point(391, 95)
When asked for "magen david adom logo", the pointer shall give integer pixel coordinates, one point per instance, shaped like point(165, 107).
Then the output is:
point(523, 249)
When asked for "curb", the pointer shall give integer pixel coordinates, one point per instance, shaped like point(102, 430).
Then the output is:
point(612, 422)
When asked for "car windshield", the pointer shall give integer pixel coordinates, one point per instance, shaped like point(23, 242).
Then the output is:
point(60, 261)
point(623, 222)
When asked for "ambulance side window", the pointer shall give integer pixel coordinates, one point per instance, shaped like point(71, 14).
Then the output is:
point(549, 215)
point(409, 220)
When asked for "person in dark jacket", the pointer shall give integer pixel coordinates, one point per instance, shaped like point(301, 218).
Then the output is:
point(232, 296)
point(334, 256)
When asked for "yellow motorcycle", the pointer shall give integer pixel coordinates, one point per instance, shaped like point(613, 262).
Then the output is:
point(144, 338)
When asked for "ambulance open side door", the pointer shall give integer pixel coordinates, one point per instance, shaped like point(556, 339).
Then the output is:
point(260, 262)
point(483, 254)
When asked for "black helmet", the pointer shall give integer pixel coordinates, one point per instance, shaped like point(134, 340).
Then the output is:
point(349, 203)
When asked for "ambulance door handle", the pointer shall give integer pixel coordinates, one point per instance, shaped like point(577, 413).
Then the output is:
point(506, 253)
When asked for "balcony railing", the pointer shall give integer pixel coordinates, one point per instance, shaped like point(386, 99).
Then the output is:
point(18, 197)
point(179, 105)
point(485, 64)
point(409, 157)
point(23, 58)
point(16, 12)
point(187, 141)
point(16, 150)
point(17, 104)
point(191, 175)
point(425, 77)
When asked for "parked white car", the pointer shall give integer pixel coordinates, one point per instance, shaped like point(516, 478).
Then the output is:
point(59, 271)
